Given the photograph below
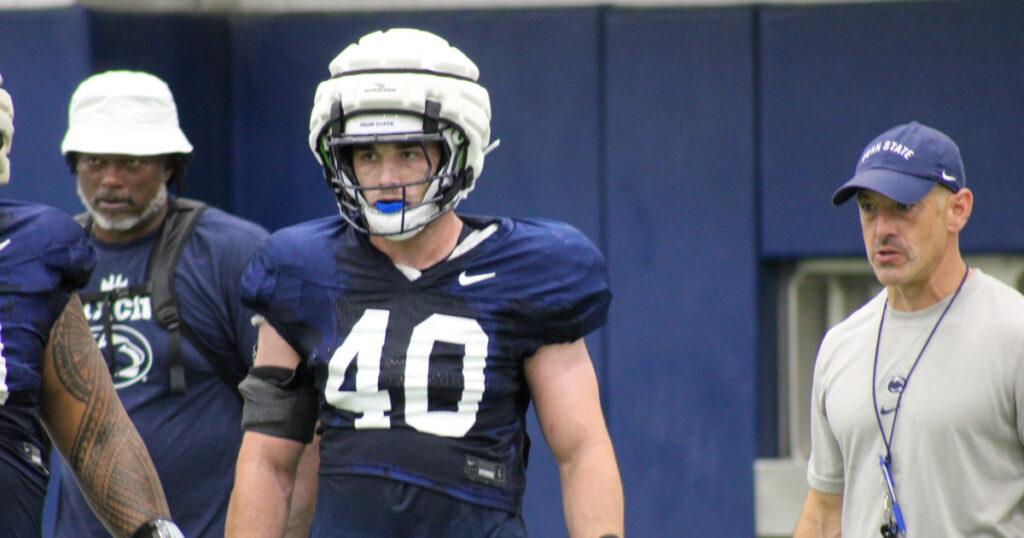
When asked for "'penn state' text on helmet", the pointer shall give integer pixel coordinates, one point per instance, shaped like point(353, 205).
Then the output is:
point(398, 86)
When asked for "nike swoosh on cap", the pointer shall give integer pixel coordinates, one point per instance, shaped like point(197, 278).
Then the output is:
point(5, 243)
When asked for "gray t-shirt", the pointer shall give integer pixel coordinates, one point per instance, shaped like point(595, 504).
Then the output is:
point(958, 450)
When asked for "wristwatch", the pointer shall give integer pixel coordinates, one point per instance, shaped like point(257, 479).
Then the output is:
point(158, 528)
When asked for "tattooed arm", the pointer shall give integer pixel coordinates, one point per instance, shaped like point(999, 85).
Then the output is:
point(85, 418)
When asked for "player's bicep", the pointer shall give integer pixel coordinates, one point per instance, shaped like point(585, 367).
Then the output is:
point(273, 350)
point(566, 397)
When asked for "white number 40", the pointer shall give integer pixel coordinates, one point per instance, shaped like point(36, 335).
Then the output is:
point(364, 345)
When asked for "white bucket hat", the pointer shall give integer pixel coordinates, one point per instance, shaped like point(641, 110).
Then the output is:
point(124, 113)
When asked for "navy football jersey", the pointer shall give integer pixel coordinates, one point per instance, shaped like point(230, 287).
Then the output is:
point(44, 257)
point(193, 438)
point(422, 379)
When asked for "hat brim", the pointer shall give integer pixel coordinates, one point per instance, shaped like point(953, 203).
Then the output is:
point(903, 188)
point(121, 142)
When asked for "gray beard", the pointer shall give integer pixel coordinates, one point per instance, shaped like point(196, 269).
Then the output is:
point(127, 223)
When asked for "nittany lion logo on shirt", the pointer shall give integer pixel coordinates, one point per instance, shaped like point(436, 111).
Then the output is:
point(133, 355)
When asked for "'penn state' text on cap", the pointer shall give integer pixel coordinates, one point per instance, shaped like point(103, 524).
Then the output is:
point(905, 163)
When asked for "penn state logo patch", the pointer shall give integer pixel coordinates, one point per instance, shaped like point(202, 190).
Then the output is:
point(896, 384)
point(133, 356)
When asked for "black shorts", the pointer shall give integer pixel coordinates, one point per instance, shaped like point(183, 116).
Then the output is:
point(366, 506)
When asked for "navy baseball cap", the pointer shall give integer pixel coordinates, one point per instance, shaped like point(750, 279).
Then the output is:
point(905, 163)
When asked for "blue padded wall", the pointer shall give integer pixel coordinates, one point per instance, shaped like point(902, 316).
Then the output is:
point(679, 154)
point(191, 54)
point(43, 57)
point(835, 77)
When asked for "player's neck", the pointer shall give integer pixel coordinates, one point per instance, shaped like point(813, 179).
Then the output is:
point(425, 249)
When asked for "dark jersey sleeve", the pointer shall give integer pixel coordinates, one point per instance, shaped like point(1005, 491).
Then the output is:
point(579, 294)
point(271, 285)
point(556, 277)
point(44, 257)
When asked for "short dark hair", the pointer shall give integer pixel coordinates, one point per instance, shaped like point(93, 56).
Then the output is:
point(178, 161)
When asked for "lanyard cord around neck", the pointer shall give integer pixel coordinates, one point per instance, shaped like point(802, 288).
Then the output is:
point(906, 383)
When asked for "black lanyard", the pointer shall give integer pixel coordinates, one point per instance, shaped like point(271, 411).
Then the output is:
point(906, 383)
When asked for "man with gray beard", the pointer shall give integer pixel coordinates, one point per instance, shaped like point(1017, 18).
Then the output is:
point(176, 374)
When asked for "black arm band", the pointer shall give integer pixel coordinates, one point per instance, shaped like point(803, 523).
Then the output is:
point(279, 404)
point(158, 528)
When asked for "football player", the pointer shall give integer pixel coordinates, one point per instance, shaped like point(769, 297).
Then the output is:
point(414, 336)
point(53, 377)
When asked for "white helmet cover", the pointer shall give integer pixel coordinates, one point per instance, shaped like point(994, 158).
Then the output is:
point(401, 85)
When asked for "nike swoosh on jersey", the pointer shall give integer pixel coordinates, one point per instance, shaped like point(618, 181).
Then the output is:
point(469, 280)
point(887, 411)
point(5, 243)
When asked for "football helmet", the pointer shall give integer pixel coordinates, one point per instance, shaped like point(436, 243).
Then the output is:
point(400, 86)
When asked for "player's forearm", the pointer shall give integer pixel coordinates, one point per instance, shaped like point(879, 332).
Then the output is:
point(92, 431)
point(303, 500)
point(257, 509)
point(592, 493)
point(261, 496)
point(118, 478)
